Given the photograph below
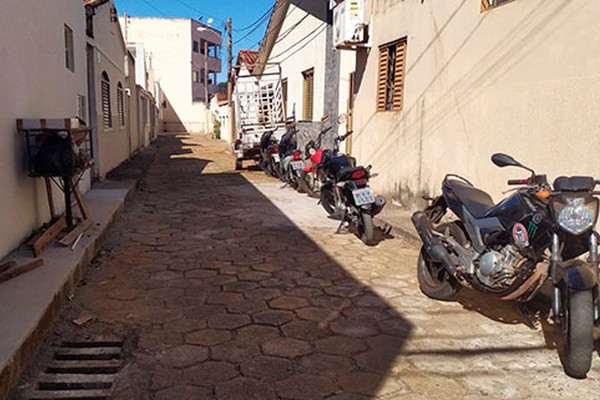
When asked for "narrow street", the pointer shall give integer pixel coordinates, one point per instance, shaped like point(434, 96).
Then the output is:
point(224, 285)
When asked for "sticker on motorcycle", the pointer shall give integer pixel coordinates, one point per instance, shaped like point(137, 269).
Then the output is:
point(275, 157)
point(297, 165)
point(520, 235)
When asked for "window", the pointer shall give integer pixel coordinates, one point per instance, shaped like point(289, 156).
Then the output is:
point(69, 49)
point(120, 104)
point(390, 80)
point(308, 94)
point(82, 107)
point(144, 111)
point(106, 113)
point(489, 4)
point(195, 76)
point(195, 46)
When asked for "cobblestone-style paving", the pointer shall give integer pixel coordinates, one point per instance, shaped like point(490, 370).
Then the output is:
point(226, 289)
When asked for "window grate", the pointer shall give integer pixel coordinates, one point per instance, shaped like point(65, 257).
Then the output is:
point(390, 76)
point(106, 111)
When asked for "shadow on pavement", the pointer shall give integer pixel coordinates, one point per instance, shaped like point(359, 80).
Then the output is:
point(220, 295)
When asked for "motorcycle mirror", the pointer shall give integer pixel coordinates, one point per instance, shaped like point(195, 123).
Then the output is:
point(504, 160)
point(342, 119)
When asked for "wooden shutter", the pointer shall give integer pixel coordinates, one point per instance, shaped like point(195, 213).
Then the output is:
point(308, 94)
point(106, 116)
point(399, 69)
point(381, 78)
point(120, 105)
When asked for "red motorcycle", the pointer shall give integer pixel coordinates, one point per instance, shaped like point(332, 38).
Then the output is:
point(311, 177)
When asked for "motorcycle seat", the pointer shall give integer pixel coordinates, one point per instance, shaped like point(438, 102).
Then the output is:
point(345, 172)
point(475, 200)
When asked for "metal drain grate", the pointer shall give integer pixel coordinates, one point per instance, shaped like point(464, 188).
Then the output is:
point(80, 371)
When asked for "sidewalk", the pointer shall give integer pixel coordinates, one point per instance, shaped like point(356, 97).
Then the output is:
point(30, 303)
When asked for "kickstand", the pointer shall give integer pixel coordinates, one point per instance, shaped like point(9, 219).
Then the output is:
point(528, 316)
point(341, 223)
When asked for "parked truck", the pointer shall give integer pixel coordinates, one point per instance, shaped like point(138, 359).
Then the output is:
point(259, 107)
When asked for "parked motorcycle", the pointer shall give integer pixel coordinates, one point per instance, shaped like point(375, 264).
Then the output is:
point(501, 249)
point(346, 193)
point(311, 177)
point(291, 162)
point(269, 160)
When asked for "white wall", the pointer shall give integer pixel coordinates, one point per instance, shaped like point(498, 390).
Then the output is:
point(34, 84)
point(523, 78)
point(299, 47)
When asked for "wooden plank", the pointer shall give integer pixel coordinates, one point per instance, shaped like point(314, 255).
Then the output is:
point(85, 213)
point(95, 394)
point(7, 265)
point(50, 198)
point(70, 237)
point(21, 270)
point(40, 244)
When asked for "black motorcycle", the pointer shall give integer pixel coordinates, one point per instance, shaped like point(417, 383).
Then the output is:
point(269, 154)
point(290, 160)
point(502, 249)
point(346, 193)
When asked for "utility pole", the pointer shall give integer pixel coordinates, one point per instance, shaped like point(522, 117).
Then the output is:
point(205, 77)
point(230, 84)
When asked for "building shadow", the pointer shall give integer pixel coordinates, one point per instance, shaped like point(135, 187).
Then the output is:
point(219, 293)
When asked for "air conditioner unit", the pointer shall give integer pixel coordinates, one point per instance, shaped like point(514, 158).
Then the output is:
point(349, 27)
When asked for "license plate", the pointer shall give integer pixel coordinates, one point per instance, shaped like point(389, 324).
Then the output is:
point(297, 165)
point(275, 157)
point(363, 196)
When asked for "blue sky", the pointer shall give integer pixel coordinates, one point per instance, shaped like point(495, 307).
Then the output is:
point(243, 14)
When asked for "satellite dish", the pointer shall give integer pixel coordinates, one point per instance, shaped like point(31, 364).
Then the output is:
point(209, 21)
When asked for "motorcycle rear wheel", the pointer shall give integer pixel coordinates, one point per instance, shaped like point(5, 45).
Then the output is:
point(434, 280)
point(578, 327)
point(366, 229)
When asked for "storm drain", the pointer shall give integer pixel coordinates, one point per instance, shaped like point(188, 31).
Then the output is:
point(80, 370)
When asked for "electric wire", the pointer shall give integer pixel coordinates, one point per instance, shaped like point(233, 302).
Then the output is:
point(256, 21)
point(154, 8)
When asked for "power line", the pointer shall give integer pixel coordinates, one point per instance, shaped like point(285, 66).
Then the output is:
point(264, 19)
point(257, 20)
point(198, 11)
point(316, 32)
point(154, 8)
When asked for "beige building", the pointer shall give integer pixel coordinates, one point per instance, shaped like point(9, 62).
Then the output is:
point(74, 64)
point(447, 83)
point(108, 70)
point(43, 76)
point(185, 55)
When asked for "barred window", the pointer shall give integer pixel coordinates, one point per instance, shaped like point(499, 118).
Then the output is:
point(390, 79)
point(106, 109)
point(120, 104)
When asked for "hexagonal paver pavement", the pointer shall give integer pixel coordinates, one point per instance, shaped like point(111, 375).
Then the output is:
point(227, 286)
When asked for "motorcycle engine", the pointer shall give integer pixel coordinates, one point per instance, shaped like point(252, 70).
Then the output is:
point(496, 268)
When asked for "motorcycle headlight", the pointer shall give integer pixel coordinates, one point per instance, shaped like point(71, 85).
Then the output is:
point(576, 215)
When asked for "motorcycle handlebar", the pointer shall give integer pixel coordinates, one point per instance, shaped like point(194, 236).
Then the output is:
point(517, 182)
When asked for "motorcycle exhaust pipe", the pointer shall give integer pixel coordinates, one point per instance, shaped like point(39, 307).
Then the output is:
point(379, 204)
point(433, 245)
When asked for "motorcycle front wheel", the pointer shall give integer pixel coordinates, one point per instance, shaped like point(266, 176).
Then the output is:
point(328, 201)
point(578, 337)
point(308, 184)
point(434, 280)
